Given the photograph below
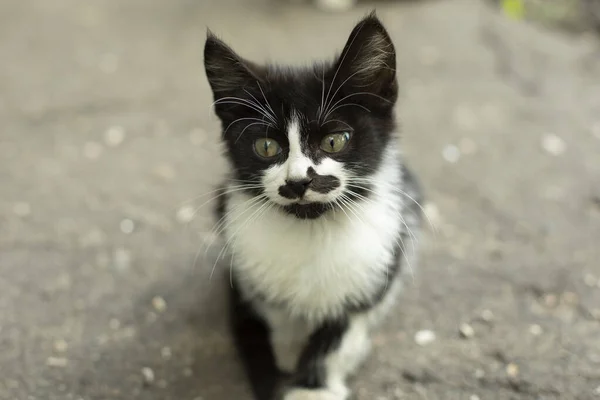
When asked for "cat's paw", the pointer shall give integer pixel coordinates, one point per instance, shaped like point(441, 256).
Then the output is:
point(315, 394)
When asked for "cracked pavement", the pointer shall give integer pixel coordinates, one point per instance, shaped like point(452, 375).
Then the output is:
point(107, 140)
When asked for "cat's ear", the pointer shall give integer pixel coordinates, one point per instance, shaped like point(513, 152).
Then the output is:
point(368, 61)
point(227, 72)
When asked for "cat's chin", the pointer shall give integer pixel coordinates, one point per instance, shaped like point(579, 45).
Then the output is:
point(307, 210)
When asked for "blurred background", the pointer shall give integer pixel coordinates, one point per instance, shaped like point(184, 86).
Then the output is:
point(107, 140)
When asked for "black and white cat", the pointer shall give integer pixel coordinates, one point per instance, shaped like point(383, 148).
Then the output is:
point(318, 212)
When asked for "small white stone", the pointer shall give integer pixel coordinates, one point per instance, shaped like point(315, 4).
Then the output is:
point(512, 370)
point(22, 209)
point(148, 375)
point(535, 330)
point(61, 346)
point(474, 397)
point(56, 362)
point(451, 153)
point(553, 144)
point(92, 150)
point(159, 304)
point(127, 226)
point(597, 391)
point(114, 136)
point(185, 214)
point(466, 331)
point(166, 353)
point(424, 337)
point(479, 373)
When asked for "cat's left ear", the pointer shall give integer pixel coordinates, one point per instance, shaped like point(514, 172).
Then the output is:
point(227, 72)
point(368, 61)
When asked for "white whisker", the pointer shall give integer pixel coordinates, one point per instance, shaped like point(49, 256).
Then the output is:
point(350, 95)
point(398, 190)
point(248, 126)
point(234, 235)
point(266, 101)
point(349, 104)
point(247, 119)
point(262, 107)
point(222, 224)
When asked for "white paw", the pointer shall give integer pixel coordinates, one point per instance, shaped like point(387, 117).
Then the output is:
point(315, 394)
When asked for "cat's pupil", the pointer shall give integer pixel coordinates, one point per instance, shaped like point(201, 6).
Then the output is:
point(332, 142)
point(266, 145)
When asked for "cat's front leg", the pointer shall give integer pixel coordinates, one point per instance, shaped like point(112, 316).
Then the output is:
point(333, 352)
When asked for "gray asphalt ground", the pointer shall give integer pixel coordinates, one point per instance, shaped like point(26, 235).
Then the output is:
point(107, 138)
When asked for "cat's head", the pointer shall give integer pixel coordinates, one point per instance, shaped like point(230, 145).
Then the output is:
point(307, 139)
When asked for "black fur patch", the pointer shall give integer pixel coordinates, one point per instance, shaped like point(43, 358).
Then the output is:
point(310, 371)
point(322, 183)
point(252, 340)
point(294, 189)
point(307, 211)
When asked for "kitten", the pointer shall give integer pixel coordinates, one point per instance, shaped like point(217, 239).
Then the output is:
point(318, 212)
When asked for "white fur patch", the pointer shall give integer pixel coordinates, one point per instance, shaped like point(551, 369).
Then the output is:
point(296, 168)
point(297, 163)
point(316, 266)
point(288, 336)
point(354, 348)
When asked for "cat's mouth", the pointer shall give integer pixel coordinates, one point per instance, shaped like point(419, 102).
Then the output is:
point(305, 209)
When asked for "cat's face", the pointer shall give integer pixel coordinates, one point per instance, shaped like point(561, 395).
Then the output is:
point(307, 139)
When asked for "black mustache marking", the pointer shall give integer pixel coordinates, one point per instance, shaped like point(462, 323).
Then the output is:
point(322, 183)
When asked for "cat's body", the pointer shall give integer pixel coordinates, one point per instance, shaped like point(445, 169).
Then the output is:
point(319, 214)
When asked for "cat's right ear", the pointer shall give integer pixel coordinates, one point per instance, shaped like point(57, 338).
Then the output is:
point(227, 72)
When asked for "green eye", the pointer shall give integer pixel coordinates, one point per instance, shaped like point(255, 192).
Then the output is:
point(266, 147)
point(335, 142)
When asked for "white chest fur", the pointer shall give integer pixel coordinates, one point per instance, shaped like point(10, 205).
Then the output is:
point(317, 266)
